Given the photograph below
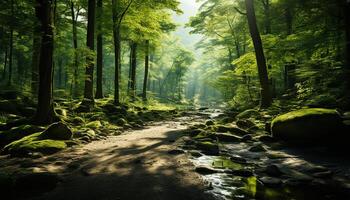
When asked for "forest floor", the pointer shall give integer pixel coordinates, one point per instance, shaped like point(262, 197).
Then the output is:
point(138, 164)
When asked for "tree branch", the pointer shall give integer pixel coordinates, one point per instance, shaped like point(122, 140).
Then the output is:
point(239, 11)
point(124, 12)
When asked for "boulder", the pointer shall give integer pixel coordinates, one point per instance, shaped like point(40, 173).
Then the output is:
point(208, 148)
point(94, 124)
point(231, 129)
point(17, 133)
point(312, 125)
point(251, 113)
point(57, 131)
point(226, 137)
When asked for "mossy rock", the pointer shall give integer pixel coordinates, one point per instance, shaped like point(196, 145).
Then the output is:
point(62, 112)
point(57, 131)
point(85, 132)
point(121, 122)
point(226, 137)
point(245, 124)
point(94, 124)
point(77, 120)
point(17, 133)
point(310, 125)
point(251, 113)
point(208, 148)
point(209, 123)
point(34, 143)
point(230, 129)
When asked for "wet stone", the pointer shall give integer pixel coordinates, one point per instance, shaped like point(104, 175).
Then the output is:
point(176, 152)
point(273, 170)
point(257, 148)
point(271, 181)
point(238, 159)
point(205, 170)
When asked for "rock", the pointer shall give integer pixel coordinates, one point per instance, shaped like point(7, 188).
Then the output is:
point(17, 133)
point(273, 170)
point(176, 152)
point(57, 131)
point(257, 148)
point(251, 113)
point(209, 123)
point(240, 172)
point(247, 138)
point(195, 154)
point(34, 143)
point(226, 137)
point(94, 124)
point(77, 120)
point(266, 139)
point(62, 112)
point(121, 122)
point(238, 159)
point(310, 126)
point(205, 170)
point(231, 129)
point(245, 123)
point(271, 182)
point(208, 148)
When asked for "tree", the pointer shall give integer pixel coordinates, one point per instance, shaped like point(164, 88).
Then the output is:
point(266, 98)
point(45, 112)
point(90, 43)
point(99, 66)
point(145, 79)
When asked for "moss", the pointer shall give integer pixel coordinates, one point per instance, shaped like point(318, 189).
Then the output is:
point(209, 148)
point(17, 133)
point(34, 143)
point(251, 113)
point(94, 124)
point(309, 125)
point(226, 163)
point(304, 113)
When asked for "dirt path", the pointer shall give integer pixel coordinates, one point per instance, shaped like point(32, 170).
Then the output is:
point(134, 165)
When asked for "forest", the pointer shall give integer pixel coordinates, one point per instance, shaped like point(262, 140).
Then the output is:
point(174, 99)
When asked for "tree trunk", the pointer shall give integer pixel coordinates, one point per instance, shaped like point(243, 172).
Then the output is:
point(133, 71)
point(130, 69)
point(10, 59)
point(145, 80)
point(45, 113)
point(5, 63)
point(89, 72)
point(60, 73)
point(346, 11)
point(35, 57)
point(266, 98)
point(74, 84)
point(99, 68)
point(117, 53)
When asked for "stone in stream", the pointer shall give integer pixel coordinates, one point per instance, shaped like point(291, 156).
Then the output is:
point(238, 159)
point(176, 152)
point(226, 137)
point(273, 170)
point(271, 181)
point(310, 126)
point(266, 139)
point(247, 138)
point(209, 123)
point(245, 123)
point(250, 113)
point(231, 129)
point(257, 148)
point(240, 172)
point(208, 148)
point(206, 170)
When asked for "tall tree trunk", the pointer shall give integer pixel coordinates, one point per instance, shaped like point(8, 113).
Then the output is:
point(60, 73)
point(5, 64)
point(133, 71)
point(74, 84)
point(99, 68)
point(266, 98)
point(145, 80)
point(35, 58)
point(89, 72)
point(130, 69)
point(10, 59)
point(20, 68)
point(45, 113)
point(117, 53)
point(346, 11)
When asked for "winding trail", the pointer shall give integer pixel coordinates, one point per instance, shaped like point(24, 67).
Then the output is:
point(135, 165)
